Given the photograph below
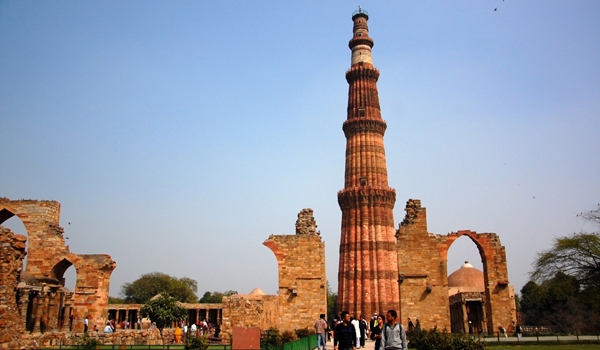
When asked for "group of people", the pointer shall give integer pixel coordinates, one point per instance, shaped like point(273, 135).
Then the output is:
point(198, 328)
point(350, 333)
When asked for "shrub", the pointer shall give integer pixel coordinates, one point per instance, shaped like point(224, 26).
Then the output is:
point(196, 342)
point(272, 338)
point(87, 343)
point(435, 340)
point(287, 337)
point(303, 332)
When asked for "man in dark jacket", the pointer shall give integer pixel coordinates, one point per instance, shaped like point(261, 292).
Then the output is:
point(345, 334)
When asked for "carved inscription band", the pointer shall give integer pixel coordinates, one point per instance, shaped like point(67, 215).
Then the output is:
point(363, 73)
point(354, 126)
point(354, 198)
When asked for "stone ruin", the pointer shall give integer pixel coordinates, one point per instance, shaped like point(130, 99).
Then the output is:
point(423, 276)
point(306, 224)
point(35, 300)
point(302, 294)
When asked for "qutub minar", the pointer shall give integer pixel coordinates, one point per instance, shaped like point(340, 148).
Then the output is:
point(368, 270)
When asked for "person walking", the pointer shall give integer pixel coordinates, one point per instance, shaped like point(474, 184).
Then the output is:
point(393, 335)
point(321, 329)
point(85, 324)
point(364, 330)
point(376, 332)
point(344, 337)
point(356, 324)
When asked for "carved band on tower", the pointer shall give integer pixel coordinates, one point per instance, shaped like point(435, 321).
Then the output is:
point(368, 271)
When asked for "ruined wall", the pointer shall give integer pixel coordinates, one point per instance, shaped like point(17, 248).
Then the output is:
point(12, 252)
point(48, 258)
point(422, 259)
point(302, 279)
point(422, 272)
point(500, 302)
point(245, 311)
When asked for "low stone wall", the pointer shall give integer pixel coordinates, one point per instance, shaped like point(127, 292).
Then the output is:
point(126, 337)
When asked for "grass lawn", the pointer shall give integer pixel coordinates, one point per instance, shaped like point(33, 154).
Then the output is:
point(571, 346)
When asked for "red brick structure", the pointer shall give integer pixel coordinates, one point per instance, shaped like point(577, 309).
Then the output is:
point(45, 305)
point(368, 270)
point(424, 276)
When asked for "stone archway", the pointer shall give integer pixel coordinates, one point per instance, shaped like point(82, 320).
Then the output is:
point(423, 274)
point(499, 296)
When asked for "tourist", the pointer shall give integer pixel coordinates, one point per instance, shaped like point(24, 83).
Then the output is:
point(418, 326)
point(113, 325)
point(411, 326)
point(372, 323)
point(85, 324)
point(518, 331)
point(108, 328)
point(95, 328)
point(356, 325)
point(364, 330)
point(393, 336)
point(345, 334)
point(321, 328)
point(376, 332)
point(193, 329)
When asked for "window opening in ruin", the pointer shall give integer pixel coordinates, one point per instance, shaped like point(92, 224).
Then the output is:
point(461, 250)
point(16, 226)
point(66, 273)
point(363, 181)
point(361, 112)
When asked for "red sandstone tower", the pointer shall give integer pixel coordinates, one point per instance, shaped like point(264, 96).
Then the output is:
point(368, 272)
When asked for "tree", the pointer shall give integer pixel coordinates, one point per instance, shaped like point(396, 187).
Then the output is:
point(577, 256)
point(148, 285)
point(331, 304)
point(163, 310)
point(564, 291)
point(215, 297)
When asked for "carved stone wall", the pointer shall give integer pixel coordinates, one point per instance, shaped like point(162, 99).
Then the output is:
point(422, 261)
point(302, 279)
point(247, 311)
point(12, 252)
point(48, 259)
point(422, 272)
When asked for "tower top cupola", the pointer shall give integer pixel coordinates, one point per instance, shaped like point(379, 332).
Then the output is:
point(361, 44)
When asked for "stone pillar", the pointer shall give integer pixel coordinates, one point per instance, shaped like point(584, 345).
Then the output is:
point(38, 309)
point(53, 312)
point(465, 316)
point(66, 318)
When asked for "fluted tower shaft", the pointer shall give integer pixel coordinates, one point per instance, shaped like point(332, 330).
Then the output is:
point(368, 271)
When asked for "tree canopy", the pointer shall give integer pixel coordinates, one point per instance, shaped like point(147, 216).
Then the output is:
point(564, 291)
point(215, 297)
point(577, 256)
point(163, 310)
point(148, 285)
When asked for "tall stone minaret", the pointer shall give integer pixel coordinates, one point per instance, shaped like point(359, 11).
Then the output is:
point(368, 272)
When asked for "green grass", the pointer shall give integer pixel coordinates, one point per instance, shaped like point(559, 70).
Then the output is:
point(571, 346)
point(140, 347)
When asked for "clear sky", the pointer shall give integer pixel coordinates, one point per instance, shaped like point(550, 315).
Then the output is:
point(179, 135)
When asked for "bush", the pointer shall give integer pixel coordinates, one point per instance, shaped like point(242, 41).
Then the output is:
point(287, 337)
point(87, 343)
point(304, 332)
point(196, 343)
point(434, 340)
point(272, 338)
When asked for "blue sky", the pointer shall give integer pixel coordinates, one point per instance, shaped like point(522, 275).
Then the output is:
point(178, 136)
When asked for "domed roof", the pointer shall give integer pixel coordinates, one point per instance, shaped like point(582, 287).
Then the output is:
point(466, 276)
point(257, 291)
